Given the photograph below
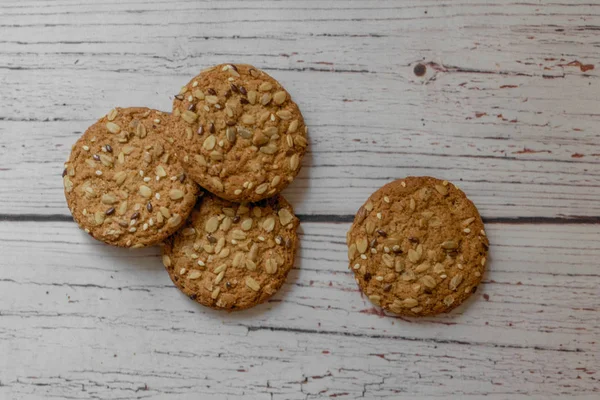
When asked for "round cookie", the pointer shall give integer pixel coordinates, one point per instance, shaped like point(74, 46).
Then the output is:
point(123, 182)
point(245, 137)
point(233, 256)
point(417, 247)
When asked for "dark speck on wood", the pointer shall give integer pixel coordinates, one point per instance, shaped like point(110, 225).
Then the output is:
point(420, 69)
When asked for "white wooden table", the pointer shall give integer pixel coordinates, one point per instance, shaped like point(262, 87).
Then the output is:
point(508, 107)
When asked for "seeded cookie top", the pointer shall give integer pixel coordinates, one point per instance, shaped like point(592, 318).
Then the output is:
point(245, 137)
point(417, 247)
point(123, 182)
point(233, 256)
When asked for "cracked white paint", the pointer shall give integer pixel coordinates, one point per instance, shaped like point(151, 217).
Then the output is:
point(492, 119)
point(84, 320)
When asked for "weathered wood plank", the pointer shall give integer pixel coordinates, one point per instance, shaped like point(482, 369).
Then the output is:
point(120, 362)
point(111, 314)
point(522, 144)
point(344, 165)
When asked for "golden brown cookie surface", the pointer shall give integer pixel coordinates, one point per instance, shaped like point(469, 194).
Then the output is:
point(233, 256)
point(417, 247)
point(245, 137)
point(123, 182)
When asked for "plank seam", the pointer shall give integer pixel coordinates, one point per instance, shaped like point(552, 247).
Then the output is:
point(408, 338)
point(349, 218)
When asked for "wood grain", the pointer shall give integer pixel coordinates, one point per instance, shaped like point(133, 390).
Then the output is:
point(506, 107)
point(118, 324)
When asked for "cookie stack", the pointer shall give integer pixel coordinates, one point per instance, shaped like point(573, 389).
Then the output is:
point(131, 181)
point(417, 246)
